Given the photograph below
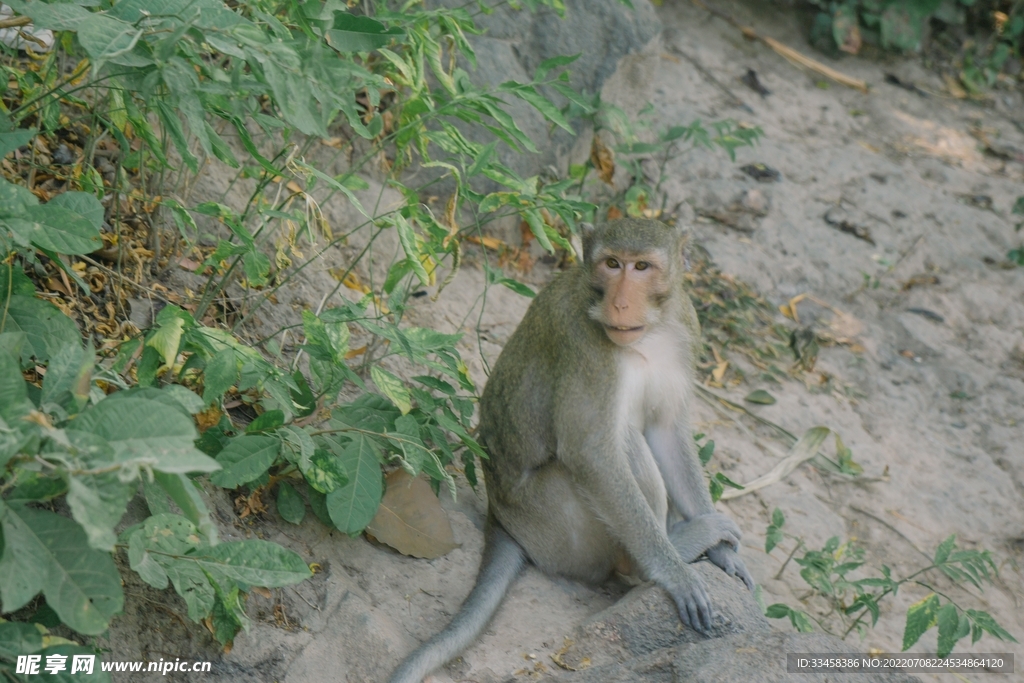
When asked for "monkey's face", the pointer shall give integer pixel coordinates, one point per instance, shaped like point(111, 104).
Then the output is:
point(631, 287)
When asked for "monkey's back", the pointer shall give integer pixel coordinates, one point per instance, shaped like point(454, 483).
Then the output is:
point(554, 343)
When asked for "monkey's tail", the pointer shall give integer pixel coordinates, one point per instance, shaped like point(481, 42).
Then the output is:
point(502, 561)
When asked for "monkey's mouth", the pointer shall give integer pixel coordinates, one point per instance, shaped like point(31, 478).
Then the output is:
point(624, 335)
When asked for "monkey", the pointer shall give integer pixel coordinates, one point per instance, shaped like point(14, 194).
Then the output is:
point(585, 418)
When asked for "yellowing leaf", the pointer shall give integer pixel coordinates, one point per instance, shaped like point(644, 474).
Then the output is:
point(166, 340)
point(350, 280)
point(410, 519)
point(392, 387)
point(789, 310)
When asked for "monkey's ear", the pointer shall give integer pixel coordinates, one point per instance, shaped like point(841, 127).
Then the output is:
point(587, 234)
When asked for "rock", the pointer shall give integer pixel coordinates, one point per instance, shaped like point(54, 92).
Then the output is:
point(640, 638)
point(515, 42)
point(758, 657)
point(646, 620)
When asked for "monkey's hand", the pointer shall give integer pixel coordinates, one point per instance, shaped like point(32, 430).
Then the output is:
point(691, 598)
point(726, 557)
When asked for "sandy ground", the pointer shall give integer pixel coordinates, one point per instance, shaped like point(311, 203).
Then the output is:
point(932, 408)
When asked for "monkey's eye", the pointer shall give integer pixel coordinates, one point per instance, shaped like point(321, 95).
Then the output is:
point(642, 265)
point(612, 263)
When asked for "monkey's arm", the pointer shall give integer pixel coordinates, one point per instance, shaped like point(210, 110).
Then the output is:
point(600, 466)
point(675, 454)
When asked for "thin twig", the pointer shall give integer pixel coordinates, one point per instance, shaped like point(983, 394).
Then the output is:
point(891, 528)
point(787, 52)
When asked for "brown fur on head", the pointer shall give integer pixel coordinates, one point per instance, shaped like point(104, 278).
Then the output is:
point(633, 264)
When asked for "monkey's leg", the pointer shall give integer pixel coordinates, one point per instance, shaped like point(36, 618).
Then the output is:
point(694, 537)
point(502, 561)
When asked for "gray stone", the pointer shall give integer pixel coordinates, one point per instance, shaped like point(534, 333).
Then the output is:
point(646, 620)
point(515, 42)
point(758, 657)
point(640, 638)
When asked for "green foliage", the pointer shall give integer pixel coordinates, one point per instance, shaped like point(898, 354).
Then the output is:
point(636, 144)
point(717, 481)
point(830, 574)
point(842, 25)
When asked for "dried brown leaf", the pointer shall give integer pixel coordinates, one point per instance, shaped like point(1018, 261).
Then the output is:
point(410, 519)
point(602, 159)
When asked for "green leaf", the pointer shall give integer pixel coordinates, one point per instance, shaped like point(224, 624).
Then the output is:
point(46, 329)
point(177, 134)
point(19, 639)
point(801, 622)
point(56, 228)
point(68, 377)
point(323, 471)
point(706, 451)
point(727, 481)
point(290, 505)
point(392, 387)
point(148, 569)
point(98, 502)
point(47, 552)
point(107, 39)
point(267, 422)
point(407, 439)
point(57, 17)
point(10, 141)
point(944, 549)
point(244, 459)
point(985, 622)
point(408, 240)
point(82, 204)
point(761, 397)
point(184, 493)
point(221, 374)
point(14, 281)
point(14, 401)
point(173, 537)
point(254, 562)
point(554, 63)
point(351, 33)
point(549, 111)
point(256, 266)
point(146, 431)
point(949, 627)
point(778, 519)
point(353, 505)
point(921, 616)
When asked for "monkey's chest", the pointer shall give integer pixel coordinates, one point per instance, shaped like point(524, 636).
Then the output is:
point(653, 381)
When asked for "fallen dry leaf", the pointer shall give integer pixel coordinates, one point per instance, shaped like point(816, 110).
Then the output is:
point(410, 519)
point(602, 159)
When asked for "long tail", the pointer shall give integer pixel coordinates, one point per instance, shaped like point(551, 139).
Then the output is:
point(502, 561)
